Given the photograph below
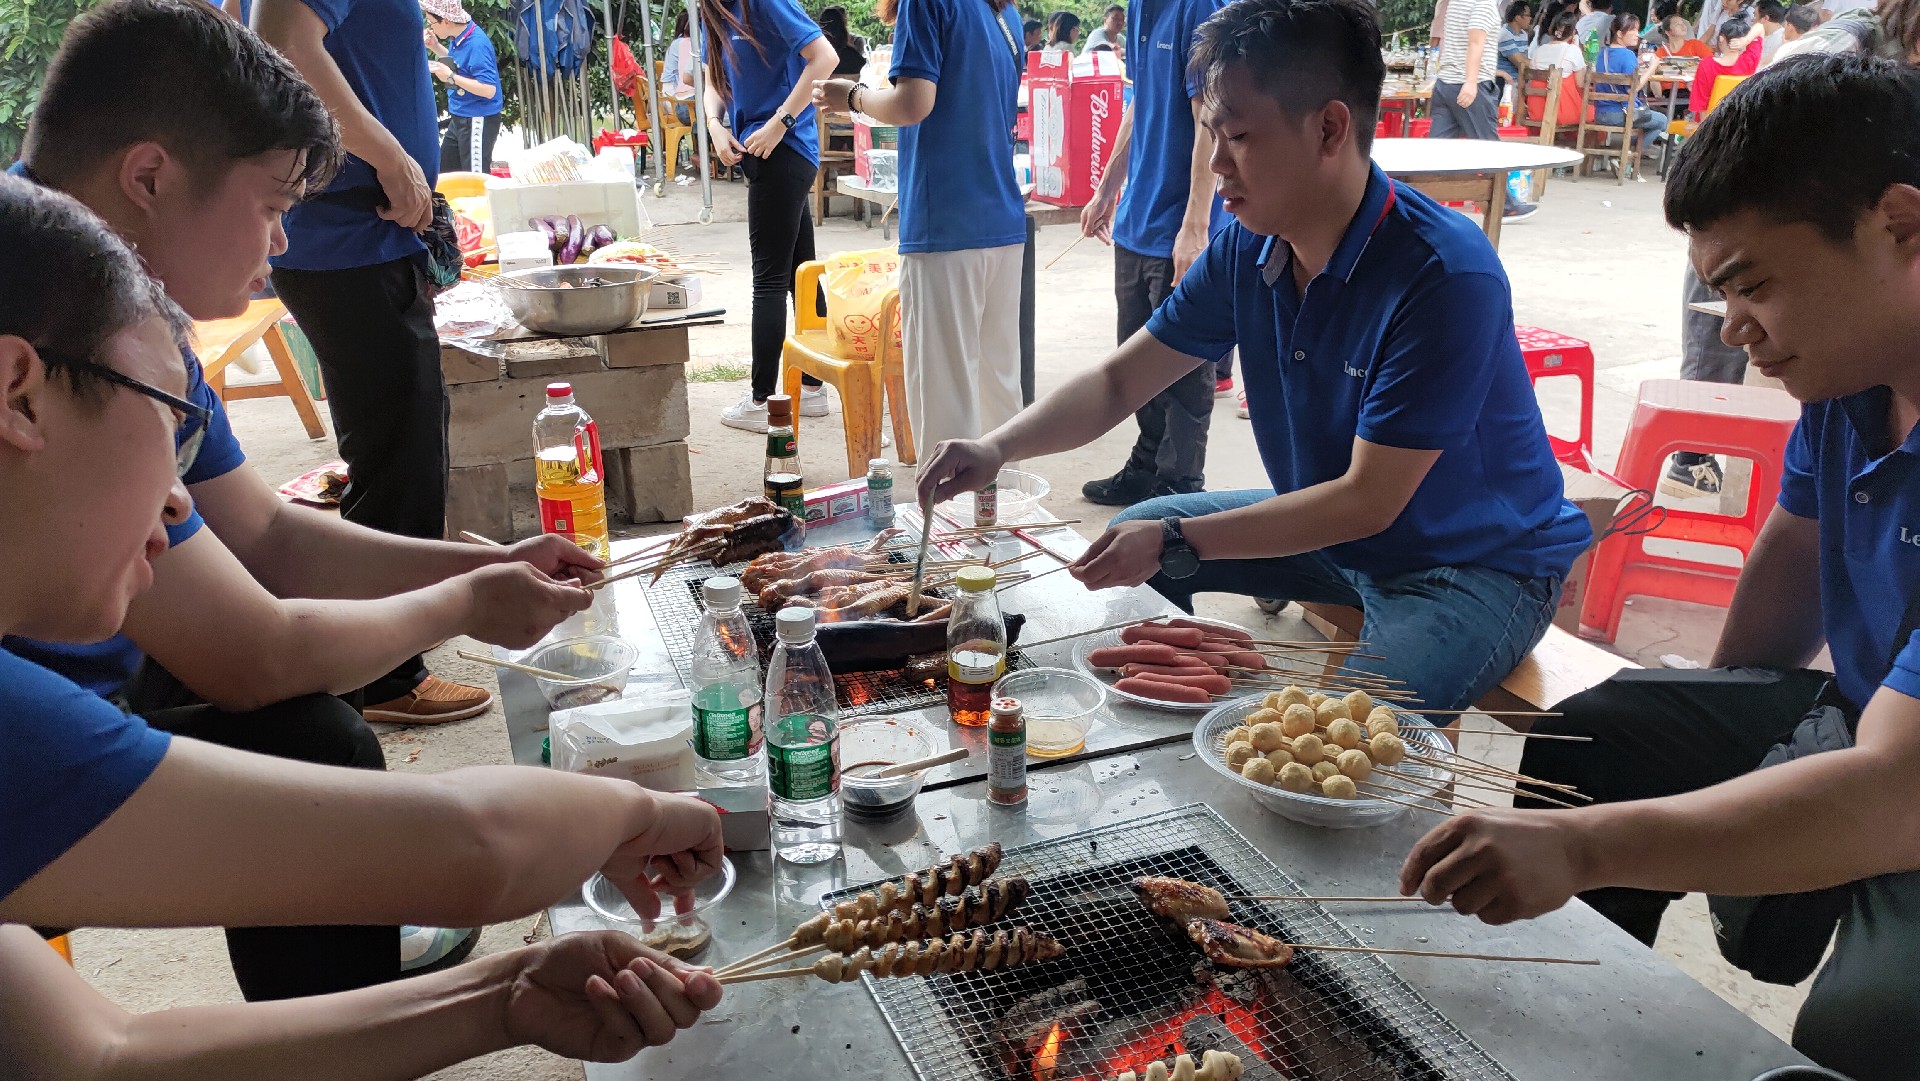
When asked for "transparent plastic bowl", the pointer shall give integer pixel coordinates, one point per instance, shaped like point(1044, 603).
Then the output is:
point(1020, 495)
point(1210, 740)
point(597, 667)
point(684, 934)
point(866, 748)
point(1059, 705)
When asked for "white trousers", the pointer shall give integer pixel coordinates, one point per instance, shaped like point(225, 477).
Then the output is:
point(960, 338)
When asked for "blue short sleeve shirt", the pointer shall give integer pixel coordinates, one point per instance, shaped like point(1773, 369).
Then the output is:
point(1868, 508)
point(68, 760)
point(1406, 340)
point(957, 189)
point(470, 53)
point(376, 44)
point(763, 76)
point(1160, 159)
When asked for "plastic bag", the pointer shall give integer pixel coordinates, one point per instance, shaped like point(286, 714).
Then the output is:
point(645, 737)
point(856, 283)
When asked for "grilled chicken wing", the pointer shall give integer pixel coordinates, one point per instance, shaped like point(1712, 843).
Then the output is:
point(1180, 900)
point(1235, 946)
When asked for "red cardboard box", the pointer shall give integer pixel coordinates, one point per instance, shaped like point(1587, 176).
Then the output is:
point(868, 137)
point(1075, 123)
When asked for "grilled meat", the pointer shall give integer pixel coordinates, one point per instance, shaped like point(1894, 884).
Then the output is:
point(1180, 900)
point(924, 887)
point(981, 951)
point(1235, 946)
point(1214, 1066)
point(976, 908)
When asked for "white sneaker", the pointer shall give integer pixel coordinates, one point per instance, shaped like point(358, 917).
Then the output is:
point(746, 415)
point(1240, 406)
point(813, 401)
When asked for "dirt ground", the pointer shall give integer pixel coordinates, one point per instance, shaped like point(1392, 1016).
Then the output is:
point(1597, 263)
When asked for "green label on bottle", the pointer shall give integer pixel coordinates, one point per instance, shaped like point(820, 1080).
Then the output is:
point(722, 735)
point(782, 444)
point(800, 773)
point(795, 502)
point(1015, 738)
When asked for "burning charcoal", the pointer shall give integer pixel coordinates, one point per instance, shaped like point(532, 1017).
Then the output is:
point(1205, 1033)
point(1024, 1027)
point(1312, 1038)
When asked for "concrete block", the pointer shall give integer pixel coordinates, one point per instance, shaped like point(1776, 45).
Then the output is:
point(634, 407)
point(552, 358)
point(641, 348)
point(457, 365)
point(650, 484)
point(477, 499)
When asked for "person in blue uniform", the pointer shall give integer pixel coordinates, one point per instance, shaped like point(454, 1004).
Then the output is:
point(465, 64)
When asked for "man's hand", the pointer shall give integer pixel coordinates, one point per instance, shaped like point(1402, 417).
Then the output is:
point(679, 846)
point(765, 138)
point(1501, 865)
point(433, 43)
point(440, 71)
point(1468, 92)
point(554, 556)
point(409, 199)
point(958, 465)
point(833, 95)
point(601, 996)
point(724, 144)
point(515, 605)
point(1125, 555)
point(1188, 245)
point(1096, 218)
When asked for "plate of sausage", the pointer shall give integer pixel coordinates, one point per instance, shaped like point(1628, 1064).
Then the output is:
point(1180, 663)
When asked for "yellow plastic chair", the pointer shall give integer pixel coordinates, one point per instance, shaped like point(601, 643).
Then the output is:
point(674, 132)
point(1722, 86)
point(461, 185)
point(865, 385)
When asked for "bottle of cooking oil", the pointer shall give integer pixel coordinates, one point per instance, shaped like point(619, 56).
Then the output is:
point(976, 647)
point(568, 475)
point(782, 483)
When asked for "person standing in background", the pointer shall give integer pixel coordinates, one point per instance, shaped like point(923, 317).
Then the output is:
point(1466, 99)
point(1594, 27)
point(1799, 20)
point(1770, 18)
point(1714, 13)
point(851, 48)
point(467, 66)
point(954, 94)
point(1036, 34)
point(1112, 31)
point(760, 113)
point(1156, 205)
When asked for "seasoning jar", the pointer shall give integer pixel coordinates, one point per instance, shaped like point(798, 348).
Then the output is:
point(1007, 753)
point(880, 493)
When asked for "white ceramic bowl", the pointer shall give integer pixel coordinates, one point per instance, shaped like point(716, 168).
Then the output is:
point(1110, 679)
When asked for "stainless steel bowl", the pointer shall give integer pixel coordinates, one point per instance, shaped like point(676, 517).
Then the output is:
point(577, 300)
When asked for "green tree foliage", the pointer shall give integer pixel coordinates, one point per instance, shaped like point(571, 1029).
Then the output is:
point(29, 34)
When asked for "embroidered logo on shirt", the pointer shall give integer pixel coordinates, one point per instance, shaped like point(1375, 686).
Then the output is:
point(1909, 538)
point(1357, 373)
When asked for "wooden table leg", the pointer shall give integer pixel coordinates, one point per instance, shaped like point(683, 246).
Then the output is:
point(1496, 204)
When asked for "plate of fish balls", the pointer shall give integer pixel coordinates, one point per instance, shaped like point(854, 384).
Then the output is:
point(1342, 762)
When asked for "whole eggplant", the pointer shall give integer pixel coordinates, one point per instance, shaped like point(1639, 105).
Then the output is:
point(576, 236)
point(598, 237)
point(878, 645)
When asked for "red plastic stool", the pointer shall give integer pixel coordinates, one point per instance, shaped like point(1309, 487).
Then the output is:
point(1714, 418)
point(1551, 355)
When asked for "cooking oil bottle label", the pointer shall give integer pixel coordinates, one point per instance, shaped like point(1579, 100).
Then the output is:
point(973, 666)
point(722, 735)
point(800, 773)
point(782, 444)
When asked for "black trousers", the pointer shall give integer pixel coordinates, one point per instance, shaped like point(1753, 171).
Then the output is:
point(1660, 732)
point(468, 144)
point(1481, 120)
point(780, 234)
point(1172, 443)
point(284, 962)
point(372, 330)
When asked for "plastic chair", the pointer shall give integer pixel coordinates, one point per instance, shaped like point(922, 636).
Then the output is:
point(865, 385)
point(461, 185)
point(672, 130)
point(1552, 355)
point(1683, 415)
point(1722, 86)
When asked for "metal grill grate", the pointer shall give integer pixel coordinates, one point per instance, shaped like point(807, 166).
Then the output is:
point(677, 607)
point(1327, 1016)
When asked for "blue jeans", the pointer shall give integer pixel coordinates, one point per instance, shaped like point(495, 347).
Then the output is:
point(1451, 633)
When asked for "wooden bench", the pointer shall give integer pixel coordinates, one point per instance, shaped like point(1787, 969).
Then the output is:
point(1561, 665)
point(219, 342)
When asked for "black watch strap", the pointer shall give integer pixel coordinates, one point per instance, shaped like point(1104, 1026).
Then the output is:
point(1177, 557)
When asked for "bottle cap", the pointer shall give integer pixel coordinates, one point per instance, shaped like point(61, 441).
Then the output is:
point(975, 579)
point(779, 409)
point(881, 464)
point(721, 591)
point(1006, 707)
point(795, 624)
point(559, 390)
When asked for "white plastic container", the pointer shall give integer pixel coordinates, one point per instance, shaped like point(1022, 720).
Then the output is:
point(613, 203)
point(523, 251)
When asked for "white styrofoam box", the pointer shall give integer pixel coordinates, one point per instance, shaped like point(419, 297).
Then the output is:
point(523, 250)
point(680, 292)
point(614, 203)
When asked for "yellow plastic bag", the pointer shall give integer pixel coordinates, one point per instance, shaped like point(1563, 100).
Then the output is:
point(856, 283)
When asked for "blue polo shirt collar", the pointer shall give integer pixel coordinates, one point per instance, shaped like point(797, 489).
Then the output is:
point(1375, 205)
point(1867, 411)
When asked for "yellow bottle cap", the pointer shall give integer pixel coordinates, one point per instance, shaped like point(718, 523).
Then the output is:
point(975, 579)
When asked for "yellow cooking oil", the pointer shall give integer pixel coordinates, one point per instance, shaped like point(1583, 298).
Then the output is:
point(569, 479)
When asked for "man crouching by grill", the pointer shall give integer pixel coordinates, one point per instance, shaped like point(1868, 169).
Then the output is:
point(1410, 467)
point(1791, 795)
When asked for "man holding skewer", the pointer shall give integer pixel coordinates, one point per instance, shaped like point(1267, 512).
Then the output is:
point(1762, 777)
point(1410, 467)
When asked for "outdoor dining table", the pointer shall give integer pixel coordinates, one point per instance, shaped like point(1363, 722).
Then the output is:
point(1672, 82)
point(1467, 169)
point(1633, 1016)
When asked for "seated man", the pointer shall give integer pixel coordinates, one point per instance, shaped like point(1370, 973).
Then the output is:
point(1410, 467)
point(192, 153)
point(1820, 268)
point(110, 822)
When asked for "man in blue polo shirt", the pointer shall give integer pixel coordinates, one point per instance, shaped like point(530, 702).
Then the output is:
point(1820, 269)
point(1166, 210)
point(467, 66)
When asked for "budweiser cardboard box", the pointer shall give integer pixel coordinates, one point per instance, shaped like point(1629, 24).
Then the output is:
point(1600, 499)
point(868, 136)
point(1076, 107)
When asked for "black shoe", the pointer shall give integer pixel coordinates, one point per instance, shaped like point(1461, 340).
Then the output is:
point(1123, 489)
point(1161, 488)
point(1692, 475)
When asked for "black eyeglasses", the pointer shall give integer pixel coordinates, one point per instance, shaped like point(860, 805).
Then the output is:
point(193, 429)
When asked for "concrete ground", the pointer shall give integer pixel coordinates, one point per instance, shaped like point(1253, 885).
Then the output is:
point(1597, 263)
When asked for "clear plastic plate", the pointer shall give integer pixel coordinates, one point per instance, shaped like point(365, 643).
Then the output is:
point(1110, 678)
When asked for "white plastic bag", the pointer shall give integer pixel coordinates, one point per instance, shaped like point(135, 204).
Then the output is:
point(644, 737)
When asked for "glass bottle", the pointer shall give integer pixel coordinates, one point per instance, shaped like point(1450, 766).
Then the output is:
point(1007, 753)
point(976, 647)
point(880, 493)
point(803, 743)
point(725, 677)
point(781, 482)
point(567, 476)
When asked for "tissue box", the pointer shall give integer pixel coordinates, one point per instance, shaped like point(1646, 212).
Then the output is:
point(680, 292)
point(523, 251)
point(745, 825)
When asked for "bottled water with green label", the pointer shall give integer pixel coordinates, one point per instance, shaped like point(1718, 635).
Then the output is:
point(727, 737)
point(803, 744)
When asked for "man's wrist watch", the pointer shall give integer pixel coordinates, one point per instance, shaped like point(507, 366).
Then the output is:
point(1177, 557)
point(785, 120)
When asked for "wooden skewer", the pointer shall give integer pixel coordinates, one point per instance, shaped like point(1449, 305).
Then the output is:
point(1364, 794)
point(1042, 574)
point(471, 537)
point(775, 974)
point(1050, 553)
point(749, 962)
point(1431, 953)
point(920, 560)
point(1418, 788)
point(1474, 767)
point(1328, 645)
point(1064, 251)
point(769, 957)
point(543, 673)
point(1091, 630)
point(1508, 713)
point(928, 762)
point(1323, 900)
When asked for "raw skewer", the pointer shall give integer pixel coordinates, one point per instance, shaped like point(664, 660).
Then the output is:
point(1323, 900)
point(1364, 794)
point(1064, 251)
point(1440, 953)
point(543, 673)
point(1473, 769)
point(760, 960)
point(471, 537)
point(928, 762)
point(1042, 574)
point(920, 560)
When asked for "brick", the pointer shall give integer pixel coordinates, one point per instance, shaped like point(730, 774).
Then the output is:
point(552, 358)
point(458, 365)
point(641, 348)
point(477, 499)
point(634, 407)
point(650, 484)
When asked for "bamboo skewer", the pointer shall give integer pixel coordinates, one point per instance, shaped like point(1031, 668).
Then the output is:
point(1091, 630)
point(471, 537)
point(1473, 767)
point(769, 957)
point(1064, 251)
point(543, 673)
point(1442, 953)
point(751, 962)
point(1042, 574)
point(775, 974)
point(1365, 794)
point(1320, 900)
point(1050, 553)
point(920, 560)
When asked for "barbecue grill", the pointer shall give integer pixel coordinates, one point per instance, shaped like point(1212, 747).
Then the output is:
point(1131, 989)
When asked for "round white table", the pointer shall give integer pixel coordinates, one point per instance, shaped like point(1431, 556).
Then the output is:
point(1463, 169)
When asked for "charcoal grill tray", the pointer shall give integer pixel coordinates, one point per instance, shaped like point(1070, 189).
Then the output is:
point(1384, 1027)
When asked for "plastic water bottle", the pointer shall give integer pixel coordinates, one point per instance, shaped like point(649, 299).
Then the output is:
point(568, 476)
point(728, 743)
point(803, 744)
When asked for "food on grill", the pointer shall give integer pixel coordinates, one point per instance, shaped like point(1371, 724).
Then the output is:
point(1235, 946)
point(1344, 733)
point(1295, 777)
point(743, 531)
point(1145, 687)
point(1339, 786)
point(924, 887)
point(1308, 749)
point(1268, 737)
point(1259, 770)
point(976, 908)
point(1388, 749)
point(981, 951)
point(1239, 754)
point(806, 583)
point(1214, 1066)
point(1180, 900)
point(1354, 764)
point(1297, 719)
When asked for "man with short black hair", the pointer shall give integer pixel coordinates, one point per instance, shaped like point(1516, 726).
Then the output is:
point(1112, 31)
point(1762, 776)
point(1390, 404)
point(1890, 30)
point(1594, 26)
point(1799, 21)
point(464, 61)
point(1770, 19)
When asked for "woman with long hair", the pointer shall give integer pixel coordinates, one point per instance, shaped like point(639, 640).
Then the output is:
point(851, 47)
point(1063, 30)
point(676, 75)
point(953, 93)
point(763, 57)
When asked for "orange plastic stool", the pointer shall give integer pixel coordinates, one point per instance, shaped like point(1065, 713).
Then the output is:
point(1550, 354)
point(1712, 418)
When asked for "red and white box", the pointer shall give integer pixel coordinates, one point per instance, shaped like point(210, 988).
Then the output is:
point(1076, 106)
point(868, 137)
